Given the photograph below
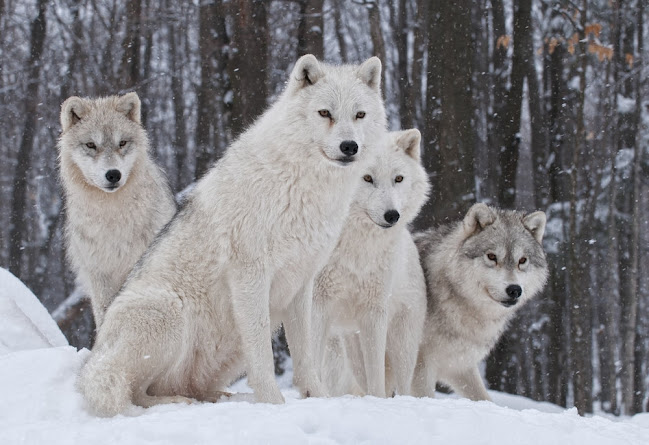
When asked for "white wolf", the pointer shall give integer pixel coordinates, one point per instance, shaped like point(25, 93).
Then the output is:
point(478, 272)
point(241, 256)
point(372, 292)
point(116, 197)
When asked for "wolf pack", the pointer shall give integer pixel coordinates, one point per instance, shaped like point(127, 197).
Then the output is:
point(303, 223)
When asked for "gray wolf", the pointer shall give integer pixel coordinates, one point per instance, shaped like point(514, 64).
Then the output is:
point(479, 272)
point(241, 256)
point(372, 292)
point(116, 197)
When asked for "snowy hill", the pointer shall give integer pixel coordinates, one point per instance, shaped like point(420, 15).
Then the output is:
point(40, 405)
point(26, 324)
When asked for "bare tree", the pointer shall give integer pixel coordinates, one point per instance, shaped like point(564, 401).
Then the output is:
point(24, 158)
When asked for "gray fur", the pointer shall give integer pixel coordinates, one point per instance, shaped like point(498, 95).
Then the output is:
point(467, 295)
point(108, 226)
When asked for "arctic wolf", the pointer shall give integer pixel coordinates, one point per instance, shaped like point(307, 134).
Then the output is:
point(372, 291)
point(478, 273)
point(116, 197)
point(241, 256)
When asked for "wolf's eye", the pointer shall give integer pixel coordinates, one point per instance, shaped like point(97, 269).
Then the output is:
point(522, 260)
point(492, 257)
point(91, 145)
point(122, 143)
point(325, 113)
point(399, 178)
point(368, 178)
point(360, 115)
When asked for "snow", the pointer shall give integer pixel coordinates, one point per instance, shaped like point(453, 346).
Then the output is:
point(26, 324)
point(41, 405)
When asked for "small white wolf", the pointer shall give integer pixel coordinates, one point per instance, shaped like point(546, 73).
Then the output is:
point(241, 256)
point(370, 299)
point(116, 197)
point(478, 272)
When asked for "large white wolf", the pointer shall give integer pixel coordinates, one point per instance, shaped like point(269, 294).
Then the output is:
point(372, 293)
point(478, 272)
point(116, 197)
point(241, 256)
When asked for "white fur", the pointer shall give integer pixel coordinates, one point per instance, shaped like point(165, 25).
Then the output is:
point(370, 299)
point(109, 226)
point(467, 292)
point(241, 256)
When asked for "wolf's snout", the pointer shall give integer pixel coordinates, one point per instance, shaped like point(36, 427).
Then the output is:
point(349, 148)
point(113, 176)
point(514, 291)
point(391, 216)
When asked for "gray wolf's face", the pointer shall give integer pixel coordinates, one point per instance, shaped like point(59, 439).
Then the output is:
point(341, 106)
point(102, 138)
point(395, 185)
point(502, 257)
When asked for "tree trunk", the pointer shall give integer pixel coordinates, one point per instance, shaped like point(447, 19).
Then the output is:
point(632, 370)
point(406, 108)
point(212, 43)
point(448, 128)
point(311, 29)
point(24, 158)
point(249, 63)
point(178, 97)
point(131, 45)
point(580, 307)
point(340, 35)
point(376, 34)
point(511, 125)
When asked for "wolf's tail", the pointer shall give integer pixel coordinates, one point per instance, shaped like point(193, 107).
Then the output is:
point(105, 386)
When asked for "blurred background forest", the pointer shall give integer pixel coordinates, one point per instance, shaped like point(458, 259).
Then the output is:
point(533, 104)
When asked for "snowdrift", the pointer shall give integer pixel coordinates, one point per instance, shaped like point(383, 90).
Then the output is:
point(41, 405)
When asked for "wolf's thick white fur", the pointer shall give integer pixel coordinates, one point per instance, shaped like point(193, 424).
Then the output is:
point(370, 299)
point(109, 225)
point(241, 256)
point(478, 272)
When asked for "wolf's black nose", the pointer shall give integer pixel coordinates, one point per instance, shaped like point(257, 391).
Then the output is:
point(514, 291)
point(391, 216)
point(349, 148)
point(113, 176)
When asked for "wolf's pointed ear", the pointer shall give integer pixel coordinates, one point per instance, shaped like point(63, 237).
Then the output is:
point(72, 111)
point(307, 71)
point(370, 73)
point(409, 141)
point(129, 104)
point(535, 223)
point(477, 218)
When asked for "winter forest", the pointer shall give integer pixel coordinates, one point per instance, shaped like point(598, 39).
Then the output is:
point(529, 104)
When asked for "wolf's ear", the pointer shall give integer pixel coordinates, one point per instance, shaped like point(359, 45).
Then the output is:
point(477, 218)
point(535, 223)
point(72, 111)
point(307, 71)
point(409, 141)
point(129, 104)
point(370, 73)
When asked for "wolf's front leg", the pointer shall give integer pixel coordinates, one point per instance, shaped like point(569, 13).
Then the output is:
point(372, 337)
point(297, 326)
point(468, 383)
point(251, 308)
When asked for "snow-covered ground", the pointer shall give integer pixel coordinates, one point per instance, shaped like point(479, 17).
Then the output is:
point(39, 405)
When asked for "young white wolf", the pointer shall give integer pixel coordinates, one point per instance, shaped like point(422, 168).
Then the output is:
point(116, 197)
point(241, 256)
point(479, 272)
point(372, 292)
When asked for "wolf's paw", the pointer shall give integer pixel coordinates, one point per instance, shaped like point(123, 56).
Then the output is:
point(270, 395)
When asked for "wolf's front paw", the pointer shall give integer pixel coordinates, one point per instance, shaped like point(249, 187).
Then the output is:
point(313, 388)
